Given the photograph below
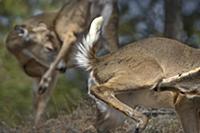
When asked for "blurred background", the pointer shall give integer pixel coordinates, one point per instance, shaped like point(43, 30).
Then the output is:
point(179, 19)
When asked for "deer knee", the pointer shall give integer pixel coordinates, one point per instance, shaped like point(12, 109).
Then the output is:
point(101, 91)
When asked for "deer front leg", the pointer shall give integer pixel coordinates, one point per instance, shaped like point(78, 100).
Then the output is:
point(188, 112)
point(107, 95)
point(47, 77)
point(40, 101)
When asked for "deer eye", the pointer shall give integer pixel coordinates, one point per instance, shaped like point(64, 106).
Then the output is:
point(49, 36)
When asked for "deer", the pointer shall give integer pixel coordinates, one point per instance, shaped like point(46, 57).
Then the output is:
point(18, 39)
point(37, 42)
point(35, 45)
point(138, 70)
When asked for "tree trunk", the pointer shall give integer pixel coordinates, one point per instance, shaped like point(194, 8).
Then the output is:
point(109, 10)
point(173, 20)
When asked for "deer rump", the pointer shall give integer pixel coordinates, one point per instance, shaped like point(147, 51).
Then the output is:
point(149, 63)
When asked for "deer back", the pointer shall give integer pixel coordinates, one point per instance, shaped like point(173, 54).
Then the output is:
point(147, 61)
point(174, 57)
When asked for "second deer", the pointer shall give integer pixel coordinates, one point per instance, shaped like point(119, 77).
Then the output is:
point(138, 66)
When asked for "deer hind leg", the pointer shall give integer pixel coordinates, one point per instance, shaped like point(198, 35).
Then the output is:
point(106, 119)
point(107, 95)
point(40, 101)
point(125, 81)
point(188, 112)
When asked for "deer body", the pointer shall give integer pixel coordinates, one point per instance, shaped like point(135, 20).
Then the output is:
point(35, 45)
point(137, 66)
point(169, 57)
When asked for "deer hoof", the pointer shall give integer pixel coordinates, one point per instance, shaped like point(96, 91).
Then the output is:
point(44, 84)
point(137, 130)
point(62, 69)
point(41, 90)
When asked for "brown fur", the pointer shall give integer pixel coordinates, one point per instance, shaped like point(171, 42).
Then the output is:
point(69, 23)
point(35, 60)
point(139, 96)
point(137, 68)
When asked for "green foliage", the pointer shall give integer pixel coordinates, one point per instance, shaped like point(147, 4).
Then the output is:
point(14, 89)
point(14, 7)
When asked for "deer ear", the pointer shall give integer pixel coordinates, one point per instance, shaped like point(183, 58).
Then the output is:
point(48, 47)
point(41, 27)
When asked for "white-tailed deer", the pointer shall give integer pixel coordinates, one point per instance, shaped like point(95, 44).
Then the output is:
point(141, 67)
point(35, 45)
point(35, 56)
point(37, 41)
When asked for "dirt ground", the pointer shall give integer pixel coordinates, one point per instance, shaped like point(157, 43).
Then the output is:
point(83, 118)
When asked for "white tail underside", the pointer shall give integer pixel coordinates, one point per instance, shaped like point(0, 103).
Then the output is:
point(84, 55)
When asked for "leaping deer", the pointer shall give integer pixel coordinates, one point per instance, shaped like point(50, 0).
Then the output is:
point(147, 64)
point(39, 62)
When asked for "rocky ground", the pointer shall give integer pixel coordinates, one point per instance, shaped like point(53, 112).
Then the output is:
point(83, 119)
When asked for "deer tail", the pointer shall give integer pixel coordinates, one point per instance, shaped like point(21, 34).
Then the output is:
point(85, 56)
